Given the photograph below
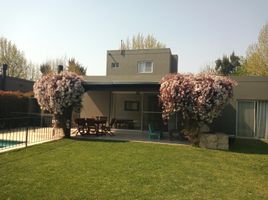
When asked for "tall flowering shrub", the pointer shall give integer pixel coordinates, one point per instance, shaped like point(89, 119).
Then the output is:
point(60, 94)
point(199, 98)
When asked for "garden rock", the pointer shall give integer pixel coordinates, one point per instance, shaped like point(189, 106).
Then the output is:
point(214, 141)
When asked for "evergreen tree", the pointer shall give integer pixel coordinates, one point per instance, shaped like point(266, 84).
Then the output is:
point(228, 65)
point(76, 67)
point(45, 69)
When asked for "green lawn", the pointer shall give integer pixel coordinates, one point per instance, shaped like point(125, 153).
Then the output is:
point(72, 169)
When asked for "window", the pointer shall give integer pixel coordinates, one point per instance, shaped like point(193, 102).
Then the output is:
point(262, 119)
point(132, 106)
point(145, 67)
point(115, 64)
point(246, 118)
point(252, 119)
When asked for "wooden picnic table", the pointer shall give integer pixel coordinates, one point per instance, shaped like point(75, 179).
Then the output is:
point(124, 123)
point(93, 126)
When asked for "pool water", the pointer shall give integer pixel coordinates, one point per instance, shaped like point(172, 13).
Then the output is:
point(8, 143)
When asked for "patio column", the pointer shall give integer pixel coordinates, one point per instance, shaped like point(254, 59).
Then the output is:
point(141, 111)
point(110, 106)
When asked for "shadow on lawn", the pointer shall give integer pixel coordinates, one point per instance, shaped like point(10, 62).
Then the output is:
point(99, 140)
point(250, 146)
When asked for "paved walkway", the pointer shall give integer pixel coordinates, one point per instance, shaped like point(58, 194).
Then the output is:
point(15, 138)
point(133, 136)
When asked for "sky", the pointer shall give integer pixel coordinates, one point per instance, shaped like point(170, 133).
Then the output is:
point(198, 31)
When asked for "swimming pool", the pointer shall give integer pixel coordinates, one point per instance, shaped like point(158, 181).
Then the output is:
point(8, 143)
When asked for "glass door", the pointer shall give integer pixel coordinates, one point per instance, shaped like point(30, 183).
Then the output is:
point(151, 112)
point(246, 119)
point(262, 119)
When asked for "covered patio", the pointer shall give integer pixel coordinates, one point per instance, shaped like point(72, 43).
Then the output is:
point(133, 104)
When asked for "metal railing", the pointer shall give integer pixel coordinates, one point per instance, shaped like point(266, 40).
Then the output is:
point(21, 132)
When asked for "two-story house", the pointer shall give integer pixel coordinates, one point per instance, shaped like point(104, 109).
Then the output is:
point(130, 89)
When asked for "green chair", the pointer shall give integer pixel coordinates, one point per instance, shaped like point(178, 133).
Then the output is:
point(154, 134)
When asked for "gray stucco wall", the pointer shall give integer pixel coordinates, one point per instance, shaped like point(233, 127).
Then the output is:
point(128, 60)
point(95, 103)
point(251, 88)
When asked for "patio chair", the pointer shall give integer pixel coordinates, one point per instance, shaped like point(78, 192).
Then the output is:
point(91, 126)
point(81, 126)
point(108, 128)
point(101, 122)
point(153, 133)
point(101, 118)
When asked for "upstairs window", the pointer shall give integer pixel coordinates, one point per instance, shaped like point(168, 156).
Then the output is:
point(145, 67)
point(115, 64)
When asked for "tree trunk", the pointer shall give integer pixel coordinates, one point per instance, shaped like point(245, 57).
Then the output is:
point(192, 131)
point(64, 121)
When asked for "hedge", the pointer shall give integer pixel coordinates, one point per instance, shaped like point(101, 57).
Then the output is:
point(15, 103)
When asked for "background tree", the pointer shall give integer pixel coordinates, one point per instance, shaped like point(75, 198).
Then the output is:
point(14, 58)
point(228, 65)
point(45, 69)
point(51, 65)
point(209, 69)
point(199, 98)
point(141, 42)
point(257, 55)
point(76, 67)
point(60, 94)
point(33, 72)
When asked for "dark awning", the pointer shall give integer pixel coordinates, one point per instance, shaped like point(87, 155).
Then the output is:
point(154, 87)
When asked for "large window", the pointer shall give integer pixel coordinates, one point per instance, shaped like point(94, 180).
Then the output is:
point(252, 119)
point(262, 119)
point(246, 118)
point(145, 67)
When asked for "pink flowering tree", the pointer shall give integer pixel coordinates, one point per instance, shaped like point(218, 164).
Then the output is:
point(60, 94)
point(199, 98)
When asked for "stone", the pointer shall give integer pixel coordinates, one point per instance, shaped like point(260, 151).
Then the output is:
point(223, 146)
point(212, 138)
point(222, 138)
point(212, 145)
point(214, 141)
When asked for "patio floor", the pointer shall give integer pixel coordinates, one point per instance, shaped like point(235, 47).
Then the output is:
point(131, 135)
